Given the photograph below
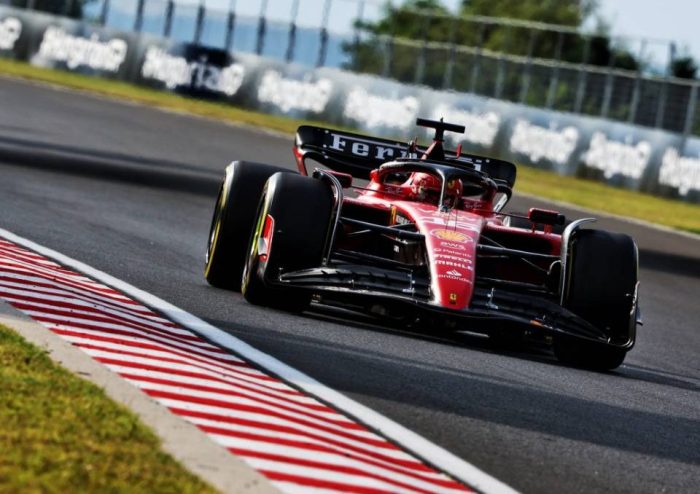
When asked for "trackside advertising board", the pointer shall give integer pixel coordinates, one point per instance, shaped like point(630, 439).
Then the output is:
point(637, 158)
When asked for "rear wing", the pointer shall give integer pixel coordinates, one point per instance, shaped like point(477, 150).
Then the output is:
point(357, 154)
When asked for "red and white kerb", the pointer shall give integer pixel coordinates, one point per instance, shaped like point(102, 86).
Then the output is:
point(299, 443)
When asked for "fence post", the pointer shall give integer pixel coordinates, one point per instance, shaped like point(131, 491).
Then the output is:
point(138, 21)
point(388, 54)
point(323, 48)
point(690, 113)
point(420, 64)
point(104, 12)
point(449, 67)
point(477, 58)
point(168, 23)
point(388, 48)
point(199, 23)
point(582, 75)
point(261, 28)
point(68, 7)
point(634, 103)
point(554, 81)
point(525, 87)
point(230, 25)
point(500, 74)
point(291, 42)
point(607, 91)
point(356, 40)
point(661, 107)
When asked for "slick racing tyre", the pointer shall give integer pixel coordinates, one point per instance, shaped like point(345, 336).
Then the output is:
point(290, 235)
point(602, 289)
point(233, 221)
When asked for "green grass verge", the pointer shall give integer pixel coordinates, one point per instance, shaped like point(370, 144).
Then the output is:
point(59, 433)
point(601, 197)
point(580, 192)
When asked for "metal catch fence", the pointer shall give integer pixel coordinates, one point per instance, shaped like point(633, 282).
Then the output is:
point(526, 62)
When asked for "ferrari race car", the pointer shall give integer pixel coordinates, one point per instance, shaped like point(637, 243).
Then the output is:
point(417, 234)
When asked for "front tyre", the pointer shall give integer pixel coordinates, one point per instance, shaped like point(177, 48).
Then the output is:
point(233, 221)
point(587, 354)
point(290, 235)
point(601, 288)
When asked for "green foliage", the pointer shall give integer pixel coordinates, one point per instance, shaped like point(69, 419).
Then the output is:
point(394, 45)
point(562, 12)
point(415, 20)
point(685, 67)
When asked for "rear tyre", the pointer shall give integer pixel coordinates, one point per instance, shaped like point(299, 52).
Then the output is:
point(290, 235)
point(233, 221)
point(601, 288)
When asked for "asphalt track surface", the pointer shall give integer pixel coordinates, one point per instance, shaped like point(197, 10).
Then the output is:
point(130, 191)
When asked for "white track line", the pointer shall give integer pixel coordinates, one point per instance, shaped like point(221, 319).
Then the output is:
point(418, 445)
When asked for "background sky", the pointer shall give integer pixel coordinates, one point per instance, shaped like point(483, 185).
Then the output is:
point(670, 20)
point(675, 20)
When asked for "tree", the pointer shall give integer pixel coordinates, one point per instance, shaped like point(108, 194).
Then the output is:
point(562, 12)
point(428, 20)
point(412, 23)
point(684, 67)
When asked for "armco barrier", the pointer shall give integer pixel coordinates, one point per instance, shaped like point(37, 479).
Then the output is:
point(638, 158)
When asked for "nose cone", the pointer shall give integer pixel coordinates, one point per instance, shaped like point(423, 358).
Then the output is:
point(452, 254)
point(451, 239)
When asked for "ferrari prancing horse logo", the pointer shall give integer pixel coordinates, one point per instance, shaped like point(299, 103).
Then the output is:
point(450, 235)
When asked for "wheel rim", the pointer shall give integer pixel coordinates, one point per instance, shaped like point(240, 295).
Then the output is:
point(215, 225)
point(251, 264)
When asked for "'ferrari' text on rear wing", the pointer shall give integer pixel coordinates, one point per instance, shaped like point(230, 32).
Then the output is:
point(358, 154)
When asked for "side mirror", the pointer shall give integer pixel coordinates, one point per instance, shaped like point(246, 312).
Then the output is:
point(546, 217)
point(345, 179)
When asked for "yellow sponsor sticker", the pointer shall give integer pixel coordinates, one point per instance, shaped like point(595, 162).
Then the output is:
point(450, 235)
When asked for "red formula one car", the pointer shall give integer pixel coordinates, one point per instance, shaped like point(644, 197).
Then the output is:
point(417, 234)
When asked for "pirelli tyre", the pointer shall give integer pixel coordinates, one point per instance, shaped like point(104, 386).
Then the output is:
point(290, 234)
point(233, 221)
point(601, 287)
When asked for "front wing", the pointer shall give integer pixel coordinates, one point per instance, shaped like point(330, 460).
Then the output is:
point(491, 308)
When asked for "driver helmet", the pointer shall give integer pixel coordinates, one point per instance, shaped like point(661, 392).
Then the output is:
point(426, 187)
